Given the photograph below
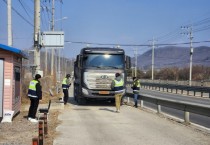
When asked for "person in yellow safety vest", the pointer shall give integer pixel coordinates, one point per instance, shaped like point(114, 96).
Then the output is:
point(136, 89)
point(35, 94)
point(65, 86)
point(117, 86)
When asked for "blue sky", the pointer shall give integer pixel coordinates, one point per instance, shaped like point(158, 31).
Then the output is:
point(111, 22)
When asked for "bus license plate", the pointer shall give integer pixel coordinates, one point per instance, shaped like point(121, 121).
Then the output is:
point(103, 92)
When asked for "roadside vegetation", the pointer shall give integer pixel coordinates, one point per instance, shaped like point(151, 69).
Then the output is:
point(199, 73)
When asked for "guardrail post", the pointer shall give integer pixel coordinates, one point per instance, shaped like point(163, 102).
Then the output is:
point(141, 103)
point(158, 108)
point(128, 99)
point(159, 84)
point(187, 117)
point(201, 86)
point(202, 83)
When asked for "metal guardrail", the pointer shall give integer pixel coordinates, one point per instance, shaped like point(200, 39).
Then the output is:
point(168, 87)
point(179, 105)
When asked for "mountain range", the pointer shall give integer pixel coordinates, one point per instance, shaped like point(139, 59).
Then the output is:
point(172, 56)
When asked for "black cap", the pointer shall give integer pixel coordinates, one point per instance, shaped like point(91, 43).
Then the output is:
point(37, 76)
point(134, 78)
point(117, 74)
point(68, 75)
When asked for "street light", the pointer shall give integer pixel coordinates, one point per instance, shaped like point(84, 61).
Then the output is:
point(64, 18)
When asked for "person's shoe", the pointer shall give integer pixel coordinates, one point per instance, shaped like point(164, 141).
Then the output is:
point(29, 118)
point(65, 103)
point(34, 120)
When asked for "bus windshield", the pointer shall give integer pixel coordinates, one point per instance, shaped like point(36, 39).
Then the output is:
point(115, 61)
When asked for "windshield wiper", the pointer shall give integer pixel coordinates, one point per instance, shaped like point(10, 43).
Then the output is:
point(104, 66)
point(113, 67)
point(95, 66)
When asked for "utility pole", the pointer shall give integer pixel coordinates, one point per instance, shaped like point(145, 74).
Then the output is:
point(135, 55)
point(46, 61)
point(9, 22)
point(191, 53)
point(52, 29)
point(59, 65)
point(153, 55)
point(190, 33)
point(36, 33)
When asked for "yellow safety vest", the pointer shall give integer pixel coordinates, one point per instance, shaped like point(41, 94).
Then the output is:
point(32, 89)
point(118, 87)
point(64, 84)
point(136, 86)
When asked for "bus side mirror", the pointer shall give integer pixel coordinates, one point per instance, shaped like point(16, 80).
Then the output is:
point(128, 62)
point(79, 61)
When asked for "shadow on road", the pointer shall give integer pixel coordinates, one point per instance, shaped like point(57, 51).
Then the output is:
point(107, 109)
point(92, 102)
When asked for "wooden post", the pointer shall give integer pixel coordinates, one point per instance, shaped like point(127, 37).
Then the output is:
point(35, 141)
point(41, 133)
point(45, 124)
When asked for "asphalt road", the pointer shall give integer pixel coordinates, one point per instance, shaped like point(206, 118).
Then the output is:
point(194, 118)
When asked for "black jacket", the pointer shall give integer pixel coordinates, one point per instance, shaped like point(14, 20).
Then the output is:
point(39, 90)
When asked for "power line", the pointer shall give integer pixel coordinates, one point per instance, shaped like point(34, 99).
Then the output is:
point(20, 15)
point(135, 45)
point(28, 7)
point(167, 35)
point(175, 33)
point(201, 22)
point(202, 28)
point(24, 9)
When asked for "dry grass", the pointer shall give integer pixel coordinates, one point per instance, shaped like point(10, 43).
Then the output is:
point(21, 131)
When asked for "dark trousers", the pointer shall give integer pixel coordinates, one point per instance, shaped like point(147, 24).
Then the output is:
point(33, 108)
point(66, 95)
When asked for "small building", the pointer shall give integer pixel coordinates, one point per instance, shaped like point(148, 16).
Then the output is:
point(10, 78)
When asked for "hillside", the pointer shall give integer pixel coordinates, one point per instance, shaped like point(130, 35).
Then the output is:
point(171, 56)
